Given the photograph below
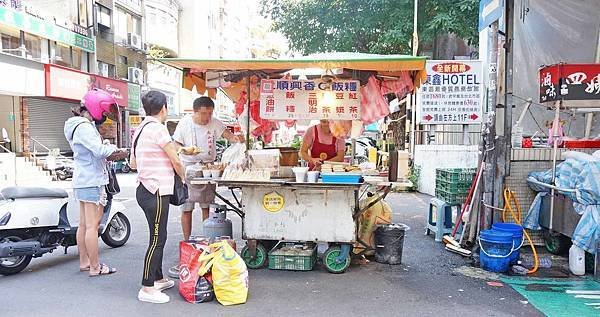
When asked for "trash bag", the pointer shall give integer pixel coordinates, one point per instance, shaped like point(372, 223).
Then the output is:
point(229, 273)
point(380, 213)
point(194, 288)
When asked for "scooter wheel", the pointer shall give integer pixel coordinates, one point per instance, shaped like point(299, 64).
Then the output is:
point(117, 231)
point(16, 264)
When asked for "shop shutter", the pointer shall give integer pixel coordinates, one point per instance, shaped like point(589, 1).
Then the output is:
point(46, 122)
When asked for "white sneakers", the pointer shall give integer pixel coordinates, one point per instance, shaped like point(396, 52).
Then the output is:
point(161, 286)
point(156, 296)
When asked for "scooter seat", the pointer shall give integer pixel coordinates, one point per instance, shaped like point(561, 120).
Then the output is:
point(16, 192)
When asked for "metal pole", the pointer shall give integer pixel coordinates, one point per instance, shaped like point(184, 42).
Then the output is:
point(248, 113)
point(465, 131)
point(415, 45)
point(508, 82)
point(555, 130)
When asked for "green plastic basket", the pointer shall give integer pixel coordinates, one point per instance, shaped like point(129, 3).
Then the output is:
point(453, 175)
point(292, 262)
point(450, 198)
point(453, 188)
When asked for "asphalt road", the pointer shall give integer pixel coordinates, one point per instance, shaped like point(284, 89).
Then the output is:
point(426, 284)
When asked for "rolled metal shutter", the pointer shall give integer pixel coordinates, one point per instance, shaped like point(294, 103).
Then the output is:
point(46, 123)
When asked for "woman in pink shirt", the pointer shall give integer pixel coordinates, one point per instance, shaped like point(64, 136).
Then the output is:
point(155, 157)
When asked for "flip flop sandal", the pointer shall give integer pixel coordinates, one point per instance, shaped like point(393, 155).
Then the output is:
point(111, 270)
point(84, 269)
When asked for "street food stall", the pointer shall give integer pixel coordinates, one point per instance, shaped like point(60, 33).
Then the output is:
point(279, 204)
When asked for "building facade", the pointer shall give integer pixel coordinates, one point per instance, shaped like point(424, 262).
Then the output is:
point(50, 50)
point(162, 29)
point(121, 54)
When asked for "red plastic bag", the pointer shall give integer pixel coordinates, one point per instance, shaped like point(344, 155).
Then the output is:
point(192, 287)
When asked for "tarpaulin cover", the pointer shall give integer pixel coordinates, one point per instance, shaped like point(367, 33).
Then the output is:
point(583, 177)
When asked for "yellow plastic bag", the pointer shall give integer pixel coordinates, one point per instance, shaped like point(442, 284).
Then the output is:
point(229, 273)
point(380, 213)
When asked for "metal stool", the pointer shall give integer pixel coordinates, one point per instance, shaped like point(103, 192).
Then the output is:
point(440, 219)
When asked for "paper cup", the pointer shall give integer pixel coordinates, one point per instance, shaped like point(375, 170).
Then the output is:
point(206, 173)
point(300, 173)
point(313, 176)
point(215, 173)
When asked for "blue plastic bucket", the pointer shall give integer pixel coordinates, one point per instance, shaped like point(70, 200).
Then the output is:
point(495, 248)
point(517, 233)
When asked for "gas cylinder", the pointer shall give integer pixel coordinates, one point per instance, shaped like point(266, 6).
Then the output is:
point(217, 224)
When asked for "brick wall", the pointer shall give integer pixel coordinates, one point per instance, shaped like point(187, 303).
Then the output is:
point(132, 57)
point(105, 51)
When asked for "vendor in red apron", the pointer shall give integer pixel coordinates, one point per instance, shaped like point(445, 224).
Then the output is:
point(319, 145)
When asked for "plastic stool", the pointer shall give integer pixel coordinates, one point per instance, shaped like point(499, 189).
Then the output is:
point(442, 223)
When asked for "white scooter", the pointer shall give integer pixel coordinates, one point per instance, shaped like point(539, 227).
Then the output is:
point(36, 220)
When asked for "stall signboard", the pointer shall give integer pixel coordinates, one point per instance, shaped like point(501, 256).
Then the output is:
point(273, 202)
point(65, 83)
point(452, 94)
point(570, 82)
point(285, 99)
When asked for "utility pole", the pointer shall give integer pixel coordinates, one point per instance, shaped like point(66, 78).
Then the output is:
point(489, 146)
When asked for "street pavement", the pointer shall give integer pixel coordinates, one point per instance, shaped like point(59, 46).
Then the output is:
point(427, 283)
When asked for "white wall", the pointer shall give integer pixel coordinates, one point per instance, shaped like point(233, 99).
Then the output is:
point(431, 157)
point(162, 18)
point(7, 169)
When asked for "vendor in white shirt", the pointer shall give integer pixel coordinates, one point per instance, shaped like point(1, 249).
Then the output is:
point(200, 132)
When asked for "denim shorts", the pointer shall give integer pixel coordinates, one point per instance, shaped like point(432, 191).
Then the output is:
point(95, 195)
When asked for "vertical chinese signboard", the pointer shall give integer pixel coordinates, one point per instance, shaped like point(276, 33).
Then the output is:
point(452, 94)
point(570, 82)
point(283, 99)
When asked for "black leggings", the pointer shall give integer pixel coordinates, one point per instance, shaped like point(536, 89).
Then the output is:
point(156, 208)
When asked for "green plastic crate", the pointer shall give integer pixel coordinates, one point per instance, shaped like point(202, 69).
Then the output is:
point(453, 175)
point(453, 187)
point(281, 260)
point(450, 198)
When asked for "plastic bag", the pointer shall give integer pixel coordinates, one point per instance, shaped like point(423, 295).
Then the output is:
point(193, 288)
point(229, 273)
point(380, 213)
point(235, 155)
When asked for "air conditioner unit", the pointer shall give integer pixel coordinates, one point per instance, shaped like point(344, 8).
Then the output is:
point(104, 70)
point(134, 41)
point(135, 75)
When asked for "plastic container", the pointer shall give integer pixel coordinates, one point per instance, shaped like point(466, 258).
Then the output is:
point(516, 138)
point(389, 243)
point(215, 173)
point(206, 173)
point(495, 248)
point(300, 173)
point(313, 176)
point(577, 260)
point(291, 259)
point(517, 233)
point(341, 178)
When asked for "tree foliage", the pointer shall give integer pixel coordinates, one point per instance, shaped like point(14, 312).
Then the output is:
point(369, 26)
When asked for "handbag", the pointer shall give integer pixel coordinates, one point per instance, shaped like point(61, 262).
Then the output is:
point(112, 187)
point(180, 192)
point(180, 189)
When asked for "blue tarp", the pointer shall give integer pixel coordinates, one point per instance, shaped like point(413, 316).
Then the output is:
point(584, 178)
